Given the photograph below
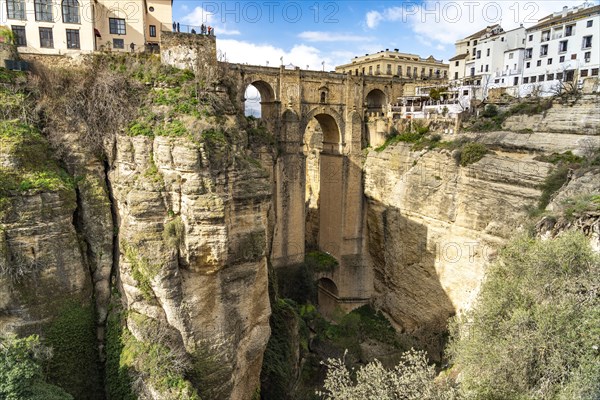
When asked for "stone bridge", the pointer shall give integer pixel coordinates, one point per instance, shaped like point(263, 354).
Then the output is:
point(318, 119)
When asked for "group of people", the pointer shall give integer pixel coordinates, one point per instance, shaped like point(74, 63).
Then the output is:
point(204, 30)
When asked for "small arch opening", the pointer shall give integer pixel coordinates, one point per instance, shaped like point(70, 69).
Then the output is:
point(375, 100)
point(258, 98)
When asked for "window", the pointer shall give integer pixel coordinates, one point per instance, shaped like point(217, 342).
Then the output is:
point(570, 30)
point(541, 78)
point(488, 53)
point(378, 70)
point(526, 80)
point(118, 43)
point(562, 46)
point(389, 69)
point(152, 30)
point(117, 26)
point(590, 23)
point(516, 81)
point(528, 53)
point(530, 38)
point(16, 9)
point(73, 39)
point(473, 71)
point(487, 67)
point(43, 10)
point(456, 63)
point(533, 79)
point(497, 81)
point(371, 70)
point(46, 38)
point(465, 92)
point(594, 71)
point(545, 36)
point(550, 77)
point(20, 38)
point(399, 70)
point(549, 61)
point(561, 59)
point(478, 53)
point(538, 63)
point(528, 65)
point(573, 56)
point(70, 10)
point(544, 50)
point(587, 42)
point(511, 56)
point(587, 56)
point(481, 68)
point(415, 72)
point(584, 73)
point(430, 72)
point(475, 43)
point(456, 75)
point(559, 76)
point(323, 97)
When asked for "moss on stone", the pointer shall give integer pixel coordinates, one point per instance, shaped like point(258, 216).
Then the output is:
point(117, 375)
point(141, 270)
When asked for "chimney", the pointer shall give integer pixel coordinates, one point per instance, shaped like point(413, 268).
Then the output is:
point(564, 11)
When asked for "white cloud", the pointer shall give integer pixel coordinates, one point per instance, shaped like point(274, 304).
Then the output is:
point(238, 51)
point(443, 23)
point(319, 36)
point(199, 16)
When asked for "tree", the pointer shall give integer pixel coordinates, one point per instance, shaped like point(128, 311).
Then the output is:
point(411, 379)
point(21, 376)
point(534, 331)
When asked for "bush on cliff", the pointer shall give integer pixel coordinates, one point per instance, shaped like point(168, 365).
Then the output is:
point(21, 372)
point(535, 329)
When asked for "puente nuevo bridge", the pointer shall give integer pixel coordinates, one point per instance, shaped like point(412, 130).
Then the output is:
point(318, 120)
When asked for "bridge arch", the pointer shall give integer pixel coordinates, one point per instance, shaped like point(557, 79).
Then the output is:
point(375, 100)
point(266, 93)
point(327, 296)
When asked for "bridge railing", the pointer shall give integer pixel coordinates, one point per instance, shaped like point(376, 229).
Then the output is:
point(195, 29)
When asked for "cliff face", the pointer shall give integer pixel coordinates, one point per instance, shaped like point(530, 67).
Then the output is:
point(433, 226)
point(159, 232)
point(192, 253)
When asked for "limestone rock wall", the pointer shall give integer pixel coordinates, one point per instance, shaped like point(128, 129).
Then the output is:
point(569, 116)
point(433, 226)
point(192, 243)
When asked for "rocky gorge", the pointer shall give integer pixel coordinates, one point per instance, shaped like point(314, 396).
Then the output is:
point(136, 233)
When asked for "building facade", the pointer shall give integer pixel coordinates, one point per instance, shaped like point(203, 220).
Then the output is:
point(562, 47)
point(72, 26)
point(395, 63)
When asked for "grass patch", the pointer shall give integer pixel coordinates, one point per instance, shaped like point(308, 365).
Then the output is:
point(117, 374)
point(579, 205)
point(75, 365)
point(556, 158)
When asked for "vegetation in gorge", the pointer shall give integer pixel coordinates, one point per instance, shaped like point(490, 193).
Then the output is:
point(72, 338)
point(535, 329)
point(22, 372)
point(491, 117)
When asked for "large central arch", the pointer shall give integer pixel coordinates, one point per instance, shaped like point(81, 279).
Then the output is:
point(324, 182)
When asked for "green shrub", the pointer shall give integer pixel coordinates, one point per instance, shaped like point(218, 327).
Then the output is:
point(553, 182)
point(140, 128)
point(21, 372)
point(567, 157)
point(577, 206)
point(319, 261)
point(490, 111)
point(472, 152)
point(534, 330)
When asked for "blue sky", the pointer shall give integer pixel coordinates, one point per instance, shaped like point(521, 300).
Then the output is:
point(310, 33)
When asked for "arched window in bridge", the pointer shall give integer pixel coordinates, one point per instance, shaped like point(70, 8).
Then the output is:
point(323, 96)
point(70, 11)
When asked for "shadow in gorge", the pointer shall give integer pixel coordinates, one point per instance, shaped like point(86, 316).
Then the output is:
point(407, 287)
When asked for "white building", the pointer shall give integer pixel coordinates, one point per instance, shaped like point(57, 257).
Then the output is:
point(562, 47)
point(493, 54)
